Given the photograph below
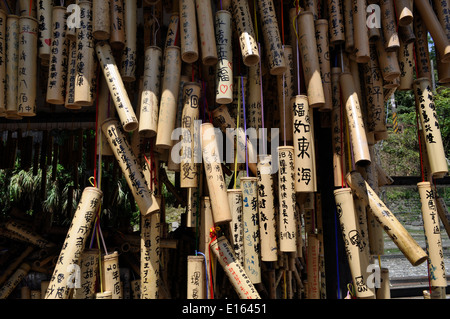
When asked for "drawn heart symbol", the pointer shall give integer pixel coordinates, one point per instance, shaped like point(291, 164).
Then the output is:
point(223, 88)
point(189, 91)
point(47, 41)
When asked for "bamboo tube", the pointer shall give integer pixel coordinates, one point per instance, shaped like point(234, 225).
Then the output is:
point(205, 238)
point(56, 85)
point(103, 295)
point(193, 203)
point(45, 18)
point(441, 8)
point(360, 31)
point(286, 195)
point(25, 292)
point(27, 8)
point(360, 149)
point(304, 168)
point(3, 48)
point(172, 30)
point(244, 26)
point(409, 247)
point(250, 221)
point(85, 61)
point(436, 267)
point(267, 217)
point(118, 142)
point(136, 289)
point(11, 59)
point(117, 89)
point(224, 67)
point(236, 225)
point(12, 266)
point(110, 275)
point(27, 66)
point(205, 25)
point(189, 142)
point(80, 228)
point(310, 59)
point(435, 29)
point(443, 213)
point(234, 271)
point(117, 32)
point(423, 65)
point(404, 11)
point(285, 87)
point(313, 267)
point(336, 22)
point(105, 110)
point(89, 272)
point(195, 278)
point(429, 122)
point(71, 76)
point(389, 25)
point(406, 34)
point(406, 64)
point(348, 25)
point(169, 97)
point(337, 130)
point(149, 102)
point(353, 241)
point(188, 31)
point(323, 49)
point(388, 62)
point(101, 25)
point(374, 28)
point(384, 292)
point(214, 175)
point(28, 234)
point(272, 38)
point(14, 280)
point(129, 53)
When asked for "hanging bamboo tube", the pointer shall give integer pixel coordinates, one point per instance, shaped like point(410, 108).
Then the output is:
point(374, 27)
point(110, 275)
point(409, 247)
point(285, 87)
point(423, 65)
point(129, 53)
point(352, 240)
point(89, 272)
point(388, 62)
point(236, 225)
point(224, 67)
point(312, 267)
point(336, 22)
point(149, 102)
point(3, 77)
point(85, 61)
point(234, 271)
point(214, 175)
point(117, 32)
point(272, 38)
point(105, 110)
point(304, 151)
point(28, 234)
point(433, 238)
point(117, 89)
point(429, 123)
point(135, 289)
point(384, 292)
point(389, 25)
point(45, 18)
point(129, 165)
point(348, 25)
point(254, 103)
point(195, 278)
point(11, 59)
point(14, 280)
point(27, 77)
point(323, 49)
point(267, 216)
point(172, 30)
point(286, 195)
point(13, 266)
point(169, 96)
point(443, 213)
point(360, 31)
point(442, 8)
point(358, 138)
point(244, 26)
point(310, 59)
point(56, 86)
point(406, 64)
point(69, 103)
point(193, 198)
point(74, 244)
point(27, 8)
point(404, 12)
point(337, 130)
point(190, 153)
point(205, 24)
point(205, 238)
point(101, 25)
point(188, 31)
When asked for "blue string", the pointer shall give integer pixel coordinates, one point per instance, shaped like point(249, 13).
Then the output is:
point(337, 253)
point(206, 272)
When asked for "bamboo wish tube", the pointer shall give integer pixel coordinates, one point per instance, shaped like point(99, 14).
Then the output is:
point(14, 280)
point(169, 96)
point(3, 78)
point(348, 25)
point(56, 86)
point(89, 272)
point(117, 89)
point(388, 61)
point(443, 213)
point(272, 38)
point(236, 226)
point(404, 12)
point(110, 275)
point(224, 67)
point(188, 31)
point(69, 103)
point(423, 65)
point(389, 25)
point(117, 33)
point(129, 53)
point(45, 18)
point(358, 138)
point(205, 24)
point(310, 59)
point(74, 244)
point(234, 271)
point(431, 129)
point(195, 277)
point(433, 238)
point(149, 103)
point(244, 26)
point(106, 110)
point(336, 22)
point(129, 165)
point(399, 235)
point(323, 49)
point(101, 25)
point(337, 129)
point(27, 66)
point(285, 93)
point(12, 60)
point(360, 31)
point(441, 8)
point(406, 64)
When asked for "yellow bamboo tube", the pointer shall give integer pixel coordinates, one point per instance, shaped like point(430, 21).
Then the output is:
point(195, 277)
point(285, 88)
point(74, 244)
point(117, 32)
point(404, 11)
point(436, 267)
point(103, 295)
point(389, 25)
point(384, 292)
point(56, 85)
point(71, 76)
point(205, 24)
point(336, 22)
point(14, 280)
point(129, 53)
point(45, 18)
point(429, 123)
point(443, 212)
point(337, 130)
point(399, 235)
point(27, 67)
point(348, 25)
point(224, 67)
point(360, 31)
point(441, 8)
point(312, 267)
point(169, 97)
point(172, 30)
point(188, 31)
point(89, 272)
point(106, 110)
point(236, 226)
point(242, 284)
point(206, 225)
point(28, 234)
point(406, 64)
point(253, 100)
point(244, 26)
point(323, 48)
point(388, 62)
point(116, 87)
point(193, 194)
point(423, 65)
point(101, 25)
point(11, 59)
point(111, 275)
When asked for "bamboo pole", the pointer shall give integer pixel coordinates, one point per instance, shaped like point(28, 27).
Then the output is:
point(195, 277)
point(188, 31)
point(14, 280)
point(205, 25)
point(101, 25)
point(129, 53)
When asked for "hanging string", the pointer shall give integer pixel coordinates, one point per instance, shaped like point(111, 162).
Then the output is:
point(245, 124)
